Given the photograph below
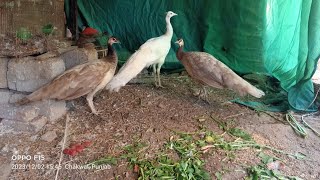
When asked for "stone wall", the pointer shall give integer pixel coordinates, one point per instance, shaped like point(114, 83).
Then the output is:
point(3, 72)
point(20, 76)
point(27, 74)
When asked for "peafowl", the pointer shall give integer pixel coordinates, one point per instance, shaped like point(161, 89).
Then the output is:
point(84, 79)
point(208, 71)
point(152, 52)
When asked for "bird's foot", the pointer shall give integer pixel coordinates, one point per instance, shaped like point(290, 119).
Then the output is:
point(206, 101)
point(71, 106)
point(160, 86)
point(203, 99)
point(97, 113)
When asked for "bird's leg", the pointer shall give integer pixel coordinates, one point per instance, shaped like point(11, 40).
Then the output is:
point(155, 74)
point(90, 103)
point(203, 95)
point(71, 106)
point(158, 73)
point(199, 95)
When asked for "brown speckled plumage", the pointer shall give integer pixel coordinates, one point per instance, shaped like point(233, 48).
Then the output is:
point(84, 79)
point(208, 71)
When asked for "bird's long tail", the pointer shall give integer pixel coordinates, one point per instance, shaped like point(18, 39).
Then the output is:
point(242, 87)
point(238, 84)
point(23, 101)
point(255, 92)
point(129, 70)
point(35, 96)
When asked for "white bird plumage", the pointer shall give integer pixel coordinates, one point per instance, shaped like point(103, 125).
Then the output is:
point(152, 52)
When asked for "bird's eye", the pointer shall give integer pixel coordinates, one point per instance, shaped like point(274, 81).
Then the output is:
point(114, 39)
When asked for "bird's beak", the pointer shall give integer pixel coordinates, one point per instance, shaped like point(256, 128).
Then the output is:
point(177, 42)
point(174, 14)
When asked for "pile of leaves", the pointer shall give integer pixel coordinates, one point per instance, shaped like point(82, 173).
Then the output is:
point(181, 156)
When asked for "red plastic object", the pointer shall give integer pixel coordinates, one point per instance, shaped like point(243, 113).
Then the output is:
point(79, 148)
point(90, 31)
point(67, 151)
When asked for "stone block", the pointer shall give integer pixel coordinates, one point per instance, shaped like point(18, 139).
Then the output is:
point(3, 72)
point(27, 74)
point(4, 96)
point(19, 113)
point(38, 123)
point(78, 56)
point(5, 169)
point(51, 109)
point(33, 126)
point(49, 136)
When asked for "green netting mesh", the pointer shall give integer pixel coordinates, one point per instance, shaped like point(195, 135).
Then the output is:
point(274, 37)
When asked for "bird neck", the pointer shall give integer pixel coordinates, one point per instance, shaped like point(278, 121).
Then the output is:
point(180, 53)
point(112, 53)
point(169, 31)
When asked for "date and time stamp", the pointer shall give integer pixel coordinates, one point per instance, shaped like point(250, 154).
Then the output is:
point(29, 163)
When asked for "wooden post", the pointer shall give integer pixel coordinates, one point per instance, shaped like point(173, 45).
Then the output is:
point(74, 18)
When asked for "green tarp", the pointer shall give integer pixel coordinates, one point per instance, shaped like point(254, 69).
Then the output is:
point(280, 38)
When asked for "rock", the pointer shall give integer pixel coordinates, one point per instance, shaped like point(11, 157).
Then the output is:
point(38, 123)
point(51, 109)
point(161, 105)
point(4, 94)
point(98, 128)
point(33, 138)
point(19, 113)
point(3, 72)
point(5, 169)
point(49, 136)
point(33, 126)
point(78, 56)
point(5, 149)
point(15, 96)
point(27, 74)
point(17, 126)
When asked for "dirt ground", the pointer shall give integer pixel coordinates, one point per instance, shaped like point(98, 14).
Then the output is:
point(150, 115)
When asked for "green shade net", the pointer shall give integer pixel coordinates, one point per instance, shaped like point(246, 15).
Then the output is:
point(279, 38)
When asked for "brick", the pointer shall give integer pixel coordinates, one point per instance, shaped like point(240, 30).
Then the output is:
point(3, 72)
point(27, 74)
point(78, 56)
